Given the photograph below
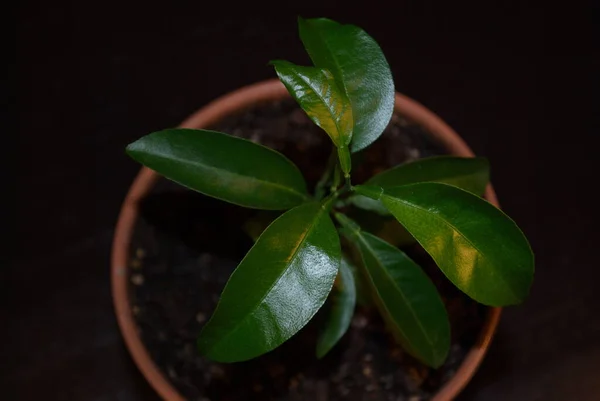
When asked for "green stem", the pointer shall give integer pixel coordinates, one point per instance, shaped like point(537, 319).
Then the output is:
point(330, 167)
point(337, 178)
point(329, 201)
point(370, 191)
point(348, 183)
point(345, 160)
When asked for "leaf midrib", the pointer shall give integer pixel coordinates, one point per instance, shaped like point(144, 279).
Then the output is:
point(323, 101)
point(447, 223)
point(234, 174)
point(362, 239)
point(336, 63)
point(305, 234)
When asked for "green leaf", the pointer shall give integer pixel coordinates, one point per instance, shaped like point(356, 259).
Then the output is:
point(361, 70)
point(222, 166)
point(479, 248)
point(368, 204)
point(318, 94)
point(469, 173)
point(277, 288)
point(326, 104)
point(344, 300)
point(405, 295)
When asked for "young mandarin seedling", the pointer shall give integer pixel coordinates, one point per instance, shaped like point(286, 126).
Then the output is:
point(290, 271)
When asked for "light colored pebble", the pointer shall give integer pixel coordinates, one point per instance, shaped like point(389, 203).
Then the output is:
point(217, 371)
point(200, 317)
point(359, 321)
point(137, 279)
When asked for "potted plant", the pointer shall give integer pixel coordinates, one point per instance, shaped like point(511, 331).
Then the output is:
point(313, 246)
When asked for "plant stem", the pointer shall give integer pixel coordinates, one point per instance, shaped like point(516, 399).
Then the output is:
point(329, 169)
point(329, 201)
point(337, 178)
point(348, 183)
point(334, 195)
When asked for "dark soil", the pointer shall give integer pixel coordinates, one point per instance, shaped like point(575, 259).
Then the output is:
point(186, 245)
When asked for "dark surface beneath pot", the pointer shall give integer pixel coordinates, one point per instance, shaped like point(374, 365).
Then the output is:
point(514, 80)
point(186, 245)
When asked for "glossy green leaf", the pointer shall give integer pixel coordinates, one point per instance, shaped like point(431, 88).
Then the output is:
point(368, 204)
point(405, 295)
point(361, 70)
point(324, 102)
point(343, 300)
point(479, 248)
point(469, 173)
point(277, 288)
point(223, 166)
point(318, 94)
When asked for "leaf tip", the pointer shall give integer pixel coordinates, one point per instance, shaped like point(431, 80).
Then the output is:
point(321, 351)
point(207, 349)
point(133, 148)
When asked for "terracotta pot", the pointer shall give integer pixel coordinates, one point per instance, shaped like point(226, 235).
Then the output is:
point(229, 104)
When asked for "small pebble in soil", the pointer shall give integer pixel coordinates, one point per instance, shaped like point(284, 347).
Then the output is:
point(200, 317)
point(137, 279)
point(217, 371)
point(359, 321)
point(413, 379)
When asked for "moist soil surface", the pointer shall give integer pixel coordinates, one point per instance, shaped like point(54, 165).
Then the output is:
point(186, 245)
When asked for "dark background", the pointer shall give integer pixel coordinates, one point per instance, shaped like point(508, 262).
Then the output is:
point(514, 80)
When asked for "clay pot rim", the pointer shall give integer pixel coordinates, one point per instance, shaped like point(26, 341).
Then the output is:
point(213, 112)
